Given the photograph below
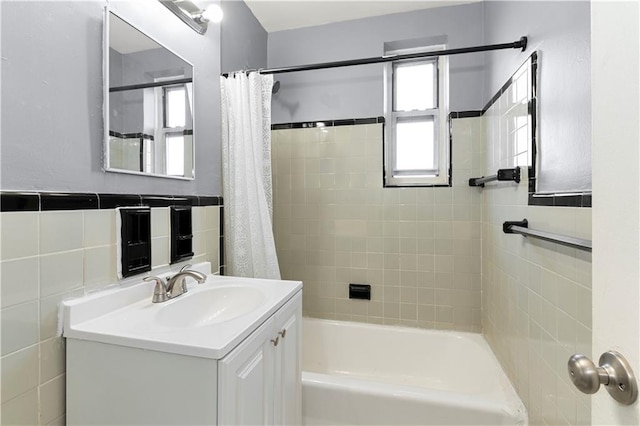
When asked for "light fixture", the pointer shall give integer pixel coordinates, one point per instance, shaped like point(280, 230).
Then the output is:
point(212, 13)
point(192, 15)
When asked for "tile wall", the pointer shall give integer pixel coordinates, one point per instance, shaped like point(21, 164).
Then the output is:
point(50, 256)
point(536, 295)
point(418, 248)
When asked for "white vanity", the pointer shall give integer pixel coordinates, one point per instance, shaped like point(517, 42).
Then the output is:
point(226, 352)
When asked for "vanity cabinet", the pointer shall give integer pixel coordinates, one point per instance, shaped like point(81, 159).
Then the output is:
point(259, 381)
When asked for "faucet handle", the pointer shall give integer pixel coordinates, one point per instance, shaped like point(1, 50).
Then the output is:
point(160, 290)
point(185, 267)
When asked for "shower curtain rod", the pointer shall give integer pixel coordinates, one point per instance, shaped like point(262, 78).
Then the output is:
point(520, 44)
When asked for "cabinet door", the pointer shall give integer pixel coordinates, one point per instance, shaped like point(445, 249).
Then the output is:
point(245, 381)
point(288, 367)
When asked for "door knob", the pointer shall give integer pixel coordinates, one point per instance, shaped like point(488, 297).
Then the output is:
point(614, 372)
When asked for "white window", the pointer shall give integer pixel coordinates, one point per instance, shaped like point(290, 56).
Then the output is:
point(416, 103)
point(175, 118)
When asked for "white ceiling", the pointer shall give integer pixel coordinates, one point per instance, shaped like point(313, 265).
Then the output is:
point(290, 14)
point(125, 39)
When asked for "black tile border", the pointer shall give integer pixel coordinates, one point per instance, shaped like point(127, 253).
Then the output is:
point(561, 200)
point(130, 135)
point(112, 201)
point(221, 252)
point(68, 201)
point(466, 114)
point(18, 201)
point(327, 123)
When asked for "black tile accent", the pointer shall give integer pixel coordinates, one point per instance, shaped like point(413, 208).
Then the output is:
point(346, 122)
point(465, 114)
point(221, 253)
point(568, 201)
point(207, 200)
point(112, 201)
point(135, 240)
point(561, 200)
point(47, 201)
point(281, 126)
point(67, 201)
point(157, 200)
point(372, 120)
point(181, 234)
point(540, 200)
point(19, 202)
point(185, 200)
point(534, 60)
point(328, 123)
point(303, 125)
point(130, 135)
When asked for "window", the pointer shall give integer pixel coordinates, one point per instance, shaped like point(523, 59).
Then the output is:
point(175, 118)
point(416, 142)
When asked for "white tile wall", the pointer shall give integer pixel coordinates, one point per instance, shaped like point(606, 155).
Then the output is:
point(48, 257)
point(419, 248)
point(536, 296)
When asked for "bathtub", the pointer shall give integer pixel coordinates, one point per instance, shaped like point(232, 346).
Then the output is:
point(362, 374)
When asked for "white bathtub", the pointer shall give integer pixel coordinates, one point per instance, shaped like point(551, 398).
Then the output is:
point(361, 374)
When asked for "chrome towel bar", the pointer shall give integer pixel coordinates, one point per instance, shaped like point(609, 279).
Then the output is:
point(502, 175)
point(522, 228)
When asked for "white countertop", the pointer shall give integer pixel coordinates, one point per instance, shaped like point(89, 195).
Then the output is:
point(127, 317)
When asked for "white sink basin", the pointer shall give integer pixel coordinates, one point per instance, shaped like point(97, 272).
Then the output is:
point(210, 306)
point(208, 321)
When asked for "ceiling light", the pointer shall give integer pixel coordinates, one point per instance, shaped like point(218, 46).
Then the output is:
point(212, 13)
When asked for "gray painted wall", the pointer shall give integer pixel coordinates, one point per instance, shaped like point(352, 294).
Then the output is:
point(358, 91)
point(560, 32)
point(52, 125)
point(244, 41)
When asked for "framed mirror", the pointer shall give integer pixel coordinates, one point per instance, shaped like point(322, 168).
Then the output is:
point(148, 92)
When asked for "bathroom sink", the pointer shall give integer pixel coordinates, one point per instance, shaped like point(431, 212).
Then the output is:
point(208, 321)
point(210, 306)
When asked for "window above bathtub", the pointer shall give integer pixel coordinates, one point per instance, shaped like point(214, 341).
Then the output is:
point(416, 151)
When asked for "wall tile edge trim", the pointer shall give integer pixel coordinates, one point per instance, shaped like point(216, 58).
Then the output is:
point(23, 201)
point(561, 200)
point(327, 123)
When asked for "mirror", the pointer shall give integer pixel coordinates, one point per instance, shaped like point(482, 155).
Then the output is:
point(148, 105)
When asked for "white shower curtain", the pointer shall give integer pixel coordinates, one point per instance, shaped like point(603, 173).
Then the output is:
point(246, 176)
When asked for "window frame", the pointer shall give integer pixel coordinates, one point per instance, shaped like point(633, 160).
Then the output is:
point(166, 132)
point(442, 155)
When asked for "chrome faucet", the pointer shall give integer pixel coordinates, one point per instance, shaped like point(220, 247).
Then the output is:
point(175, 285)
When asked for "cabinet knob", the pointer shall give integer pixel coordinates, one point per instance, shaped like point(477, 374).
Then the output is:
point(275, 341)
point(283, 332)
point(614, 372)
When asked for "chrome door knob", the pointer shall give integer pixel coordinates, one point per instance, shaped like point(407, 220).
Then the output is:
point(614, 372)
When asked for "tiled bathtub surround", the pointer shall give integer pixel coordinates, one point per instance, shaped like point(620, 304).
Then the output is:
point(418, 248)
point(48, 256)
point(536, 295)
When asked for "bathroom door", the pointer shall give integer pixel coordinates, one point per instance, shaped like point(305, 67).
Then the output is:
point(616, 194)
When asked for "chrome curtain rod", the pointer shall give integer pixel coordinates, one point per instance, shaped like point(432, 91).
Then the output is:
point(520, 44)
point(522, 228)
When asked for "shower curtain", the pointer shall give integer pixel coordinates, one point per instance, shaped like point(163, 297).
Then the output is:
point(246, 176)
